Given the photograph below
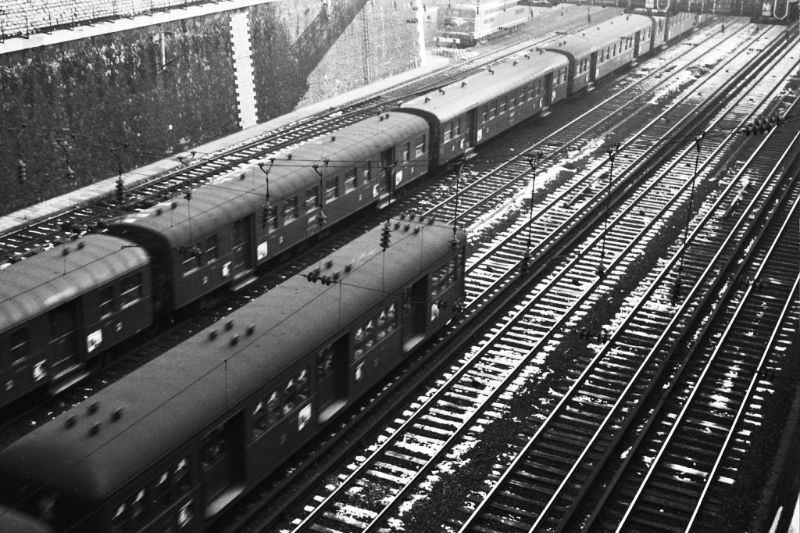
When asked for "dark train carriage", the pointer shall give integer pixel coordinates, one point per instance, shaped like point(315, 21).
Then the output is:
point(65, 305)
point(12, 521)
point(604, 48)
point(198, 242)
point(329, 178)
point(466, 113)
point(172, 444)
point(679, 24)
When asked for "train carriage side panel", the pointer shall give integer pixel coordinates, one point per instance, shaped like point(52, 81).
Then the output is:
point(66, 305)
point(182, 437)
point(679, 24)
point(332, 177)
point(467, 113)
point(604, 48)
point(200, 241)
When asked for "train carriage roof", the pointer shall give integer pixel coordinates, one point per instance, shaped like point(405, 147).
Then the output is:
point(455, 99)
point(346, 148)
point(167, 401)
point(54, 277)
point(601, 35)
point(240, 193)
point(183, 221)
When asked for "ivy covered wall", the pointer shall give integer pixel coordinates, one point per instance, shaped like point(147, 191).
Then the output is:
point(123, 100)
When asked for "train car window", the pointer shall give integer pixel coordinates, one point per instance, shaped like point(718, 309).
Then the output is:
point(269, 218)
point(213, 447)
point(185, 515)
point(291, 209)
point(446, 132)
point(212, 251)
point(366, 174)
point(324, 363)
point(302, 389)
point(181, 480)
point(105, 297)
point(289, 397)
point(19, 345)
point(138, 510)
point(190, 257)
point(369, 335)
point(120, 519)
point(503, 105)
point(260, 420)
point(492, 109)
point(131, 290)
point(419, 150)
point(161, 489)
point(331, 189)
point(274, 408)
point(312, 198)
point(358, 344)
point(407, 152)
point(350, 179)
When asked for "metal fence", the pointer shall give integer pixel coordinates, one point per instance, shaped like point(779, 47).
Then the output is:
point(21, 18)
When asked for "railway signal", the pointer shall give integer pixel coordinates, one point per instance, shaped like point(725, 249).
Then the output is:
point(386, 236)
point(676, 291)
point(533, 161)
point(120, 189)
point(22, 171)
point(612, 154)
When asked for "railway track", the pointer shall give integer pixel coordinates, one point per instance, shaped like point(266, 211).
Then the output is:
point(25, 241)
point(643, 95)
point(417, 443)
point(740, 352)
point(548, 477)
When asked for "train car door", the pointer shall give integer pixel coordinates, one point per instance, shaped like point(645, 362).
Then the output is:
point(222, 464)
point(63, 347)
point(548, 89)
point(385, 183)
point(472, 127)
point(415, 299)
point(636, 40)
point(241, 246)
point(332, 375)
point(592, 67)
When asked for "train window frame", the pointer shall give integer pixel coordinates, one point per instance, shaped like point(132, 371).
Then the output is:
point(311, 202)
point(136, 289)
point(406, 152)
point(259, 416)
point(106, 302)
point(212, 248)
point(291, 209)
point(15, 345)
point(350, 179)
point(190, 261)
point(213, 447)
point(269, 218)
point(419, 149)
point(331, 189)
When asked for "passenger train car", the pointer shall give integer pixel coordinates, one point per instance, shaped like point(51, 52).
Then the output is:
point(466, 23)
point(61, 309)
point(12, 521)
point(172, 444)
